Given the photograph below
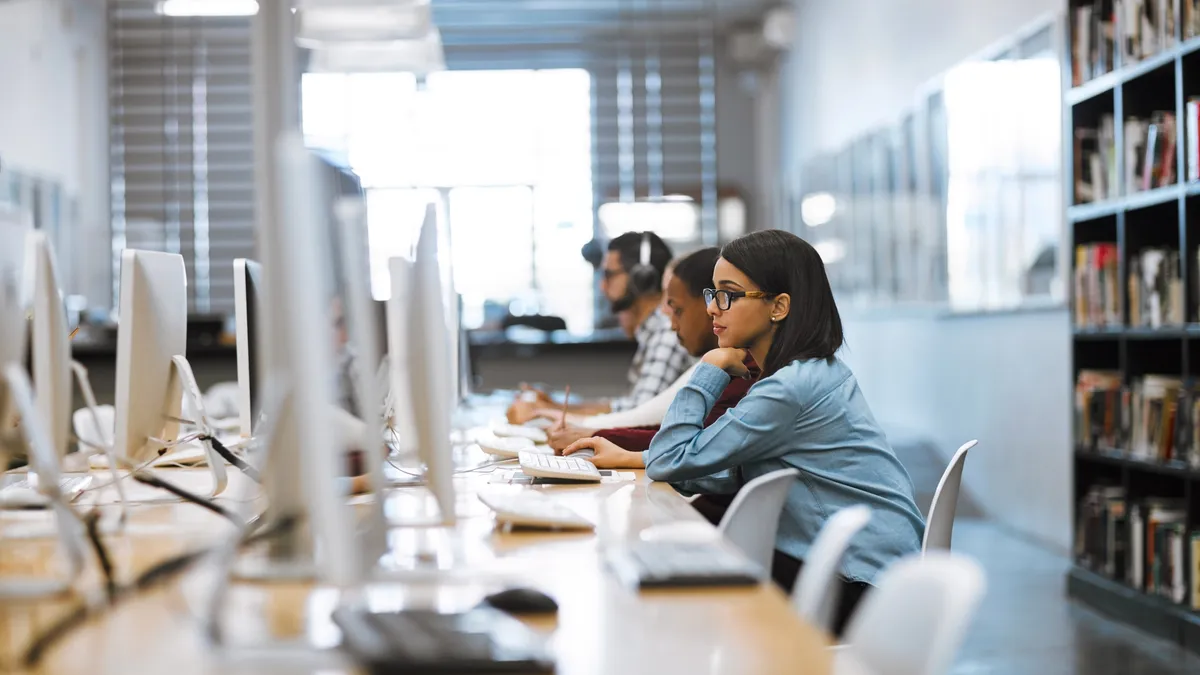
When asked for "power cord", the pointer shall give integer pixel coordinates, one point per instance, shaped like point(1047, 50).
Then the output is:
point(147, 478)
point(226, 454)
point(145, 581)
point(92, 522)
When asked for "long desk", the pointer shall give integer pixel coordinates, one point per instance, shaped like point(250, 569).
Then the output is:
point(601, 626)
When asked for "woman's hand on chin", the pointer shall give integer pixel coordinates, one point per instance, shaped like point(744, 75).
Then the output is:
point(732, 361)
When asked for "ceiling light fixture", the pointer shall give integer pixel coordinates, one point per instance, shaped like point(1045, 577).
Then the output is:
point(207, 7)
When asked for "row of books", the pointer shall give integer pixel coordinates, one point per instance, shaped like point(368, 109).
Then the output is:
point(1149, 152)
point(1097, 286)
point(1142, 542)
point(1156, 289)
point(1155, 419)
point(1139, 28)
point(1150, 159)
point(1095, 157)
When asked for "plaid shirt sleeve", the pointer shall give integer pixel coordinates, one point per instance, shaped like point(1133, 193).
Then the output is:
point(663, 361)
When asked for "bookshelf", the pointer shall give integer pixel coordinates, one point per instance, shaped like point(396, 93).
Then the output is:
point(1132, 150)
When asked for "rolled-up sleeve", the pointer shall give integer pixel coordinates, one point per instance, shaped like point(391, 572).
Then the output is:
point(683, 450)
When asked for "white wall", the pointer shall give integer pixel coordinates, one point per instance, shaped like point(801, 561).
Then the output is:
point(54, 120)
point(1003, 378)
point(857, 62)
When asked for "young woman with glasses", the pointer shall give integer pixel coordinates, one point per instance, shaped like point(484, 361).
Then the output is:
point(771, 299)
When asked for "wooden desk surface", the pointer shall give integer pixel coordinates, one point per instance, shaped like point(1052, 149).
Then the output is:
point(601, 626)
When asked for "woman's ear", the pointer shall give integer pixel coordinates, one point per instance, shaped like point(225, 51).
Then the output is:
point(781, 307)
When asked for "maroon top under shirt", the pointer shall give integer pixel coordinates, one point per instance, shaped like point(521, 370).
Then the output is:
point(636, 439)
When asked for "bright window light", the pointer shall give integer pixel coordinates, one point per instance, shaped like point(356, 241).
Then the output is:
point(207, 7)
point(669, 220)
point(818, 209)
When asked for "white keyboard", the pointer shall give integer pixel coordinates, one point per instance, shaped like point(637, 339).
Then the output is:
point(510, 447)
point(562, 468)
point(20, 494)
point(530, 509)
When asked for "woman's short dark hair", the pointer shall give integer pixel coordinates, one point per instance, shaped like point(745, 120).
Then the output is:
point(695, 270)
point(780, 262)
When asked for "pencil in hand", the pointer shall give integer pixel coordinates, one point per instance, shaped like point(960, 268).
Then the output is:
point(562, 422)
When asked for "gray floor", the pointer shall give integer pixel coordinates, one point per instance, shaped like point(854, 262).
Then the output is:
point(1026, 624)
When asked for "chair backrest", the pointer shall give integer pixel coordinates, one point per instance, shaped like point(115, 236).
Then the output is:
point(753, 518)
point(914, 621)
point(939, 526)
point(816, 593)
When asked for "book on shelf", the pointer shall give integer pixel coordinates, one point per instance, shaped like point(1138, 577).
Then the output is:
point(1195, 558)
point(1092, 41)
point(1155, 434)
point(1150, 151)
point(1095, 160)
point(1147, 27)
point(1097, 287)
point(1155, 419)
point(1192, 141)
point(1191, 18)
point(1140, 542)
point(1101, 409)
point(1155, 289)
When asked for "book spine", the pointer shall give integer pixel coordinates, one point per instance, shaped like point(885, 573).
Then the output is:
point(1195, 568)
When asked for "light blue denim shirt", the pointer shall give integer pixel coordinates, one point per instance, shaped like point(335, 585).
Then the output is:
point(810, 415)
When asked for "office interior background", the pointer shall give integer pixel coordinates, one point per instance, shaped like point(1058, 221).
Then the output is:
point(918, 144)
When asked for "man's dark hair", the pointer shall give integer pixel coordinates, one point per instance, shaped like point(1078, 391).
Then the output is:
point(629, 247)
point(780, 262)
point(695, 270)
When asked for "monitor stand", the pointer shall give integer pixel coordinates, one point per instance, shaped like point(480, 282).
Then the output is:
point(216, 463)
point(89, 398)
point(43, 461)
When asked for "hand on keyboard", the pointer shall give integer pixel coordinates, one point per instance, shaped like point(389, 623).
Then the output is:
point(562, 468)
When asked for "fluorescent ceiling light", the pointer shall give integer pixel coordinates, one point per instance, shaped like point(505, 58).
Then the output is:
point(397, 56)
point(319, 23)
point(831, 250)
point(207, 7)
point(817, 209)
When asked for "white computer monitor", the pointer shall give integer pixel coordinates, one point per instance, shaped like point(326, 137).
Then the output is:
point(152, 369)
point(247, 293)
point(430, 372)
point(304, 463)
point(151, 331)
point(14, 307)
point(51, 346)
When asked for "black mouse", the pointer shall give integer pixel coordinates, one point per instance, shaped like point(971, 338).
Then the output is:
point(522, 601)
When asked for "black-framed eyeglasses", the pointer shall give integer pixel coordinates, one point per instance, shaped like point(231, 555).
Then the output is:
point(609, 275)
point(725, 298)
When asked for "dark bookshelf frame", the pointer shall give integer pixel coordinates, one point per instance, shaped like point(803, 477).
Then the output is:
point(1127, 349)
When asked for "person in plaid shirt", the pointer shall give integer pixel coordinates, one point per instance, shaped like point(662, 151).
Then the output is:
point(636, 293)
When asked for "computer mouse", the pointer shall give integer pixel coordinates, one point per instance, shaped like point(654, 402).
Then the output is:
point(522, 601)
point(583, 453)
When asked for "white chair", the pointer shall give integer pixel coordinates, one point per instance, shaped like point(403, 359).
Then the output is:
point(818, 589)
point(914, 621)
point(939, 526)
point(753, 518)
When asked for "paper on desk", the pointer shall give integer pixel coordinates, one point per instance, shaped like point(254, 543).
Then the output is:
point(517, 477)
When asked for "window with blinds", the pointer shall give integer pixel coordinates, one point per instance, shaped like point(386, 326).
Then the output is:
point(181, 144)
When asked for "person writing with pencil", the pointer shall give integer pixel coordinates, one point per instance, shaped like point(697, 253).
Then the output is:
point(633, 270)
point(621, 447)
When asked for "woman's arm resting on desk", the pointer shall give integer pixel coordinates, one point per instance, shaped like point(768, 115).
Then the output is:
point(754, 429)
